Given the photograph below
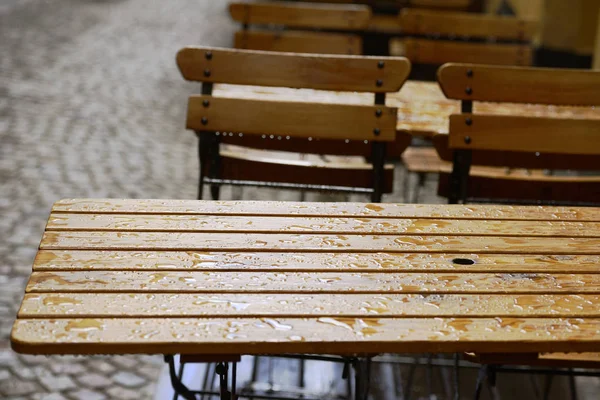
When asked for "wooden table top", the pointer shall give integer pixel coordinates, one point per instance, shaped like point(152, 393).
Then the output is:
point(230, 277)
point(422, 107)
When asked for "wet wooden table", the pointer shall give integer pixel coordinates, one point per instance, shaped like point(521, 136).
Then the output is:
point(202, 277)
point(422, 107)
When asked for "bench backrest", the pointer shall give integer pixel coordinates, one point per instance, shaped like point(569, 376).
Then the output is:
point(297, 15)
point(302, 15)
point(492, 39)
point(521, 141)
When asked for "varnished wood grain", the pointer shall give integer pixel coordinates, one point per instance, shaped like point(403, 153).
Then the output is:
point(332, 225)
point(428, 22)
point(521, 85)
point(290, 208)
point(295, 335)
point(525, 134)
point(326, 121)
point(295, 70)
point(84, 260)
point(426, 51)
point(299, 42)
point(308, 282)
point(85, 240)
point(323, 16)
point(139, 305)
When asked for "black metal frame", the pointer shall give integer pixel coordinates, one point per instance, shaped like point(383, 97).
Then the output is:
point(461, 165)
point(210, 159)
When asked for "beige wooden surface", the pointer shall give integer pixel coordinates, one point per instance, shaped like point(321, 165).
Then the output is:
point(298, 119)
point(166, 276)
point(296, 70)
point(422, 107)
point(299, 42)
point(427, 22)
point(305, 15)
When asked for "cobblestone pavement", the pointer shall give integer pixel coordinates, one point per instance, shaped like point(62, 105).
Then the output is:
point(91, 104)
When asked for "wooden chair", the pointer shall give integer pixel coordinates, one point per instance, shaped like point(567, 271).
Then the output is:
point(520, 141)
point(298, 27)
point(235, 133)
point(484, 39)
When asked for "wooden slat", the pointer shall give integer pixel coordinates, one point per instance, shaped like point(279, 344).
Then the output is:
point(456, 4)
point(337, 225)
point(309, 282)
point(260, 68)
point(425, 22)
point(137, 305)
point(323, 16)
point(317, 146)
point(385, 24)
point(328, 121)
point(290, 335)
point(268, 166)
point(426, 51)
point(521, 85)
point(525, 134)
point(290, 208)
point(65, 240)
point(71, 260)
point(532, 189)
point(517, 159)
point(299, 42)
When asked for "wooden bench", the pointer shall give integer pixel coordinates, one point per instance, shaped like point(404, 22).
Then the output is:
point(303, 19)
point(521, 141)
point(223, 279)
point(324, 129)
point(498, 40)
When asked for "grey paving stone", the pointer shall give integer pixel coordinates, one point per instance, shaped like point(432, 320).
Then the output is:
point(86, 394)
point(128, 379)
point(93, 380)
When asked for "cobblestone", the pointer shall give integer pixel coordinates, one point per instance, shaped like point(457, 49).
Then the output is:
point(90, 104)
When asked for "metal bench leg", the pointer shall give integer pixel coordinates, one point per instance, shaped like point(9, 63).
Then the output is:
point(547, 387)
point(362, 370)
point(222, 370)
point(456, 376)
point(410, 379)
point(178, 386)
point(481, 376)
point(422, 177)
point(572, 385)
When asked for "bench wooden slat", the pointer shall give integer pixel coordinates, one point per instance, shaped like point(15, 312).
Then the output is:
point(309, 282)
point(426, 51)
point(424, 22)
point(295, 335)
point(324, 16)
point(525, 134)
point(78, 240)
point(317, 146)
point(573, 189)
point(296, 70)
point(521, 85)
point(299, 42)
point(71, 260)
point(518, 159)
point(238, 163)
point(137, 305)
point(305, 209)
point(327, 121)
point(337, 225)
